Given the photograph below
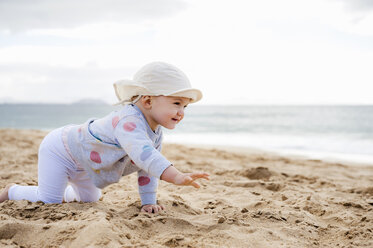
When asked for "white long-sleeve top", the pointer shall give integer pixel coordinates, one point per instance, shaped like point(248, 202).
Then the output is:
point(117, 145)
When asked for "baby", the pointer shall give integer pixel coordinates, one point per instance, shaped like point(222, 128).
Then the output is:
point(77, 161)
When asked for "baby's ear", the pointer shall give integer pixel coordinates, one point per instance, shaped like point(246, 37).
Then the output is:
point(147, 102)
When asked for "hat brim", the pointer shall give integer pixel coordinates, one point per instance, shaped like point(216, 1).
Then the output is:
point(194, 94)
point(126, 92)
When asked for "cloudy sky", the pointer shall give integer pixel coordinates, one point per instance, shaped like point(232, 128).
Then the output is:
point(235, 51)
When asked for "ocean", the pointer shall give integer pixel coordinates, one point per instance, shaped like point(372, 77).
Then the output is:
point(319, 132)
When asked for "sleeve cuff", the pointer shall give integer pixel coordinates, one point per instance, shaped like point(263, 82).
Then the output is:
point(148, 198)
point(158, 167)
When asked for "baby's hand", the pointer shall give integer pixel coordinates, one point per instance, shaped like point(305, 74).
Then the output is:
point(172, 175)
point(186, 179)
point(150, 208)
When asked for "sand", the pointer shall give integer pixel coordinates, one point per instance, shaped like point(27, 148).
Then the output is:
point(253, 199)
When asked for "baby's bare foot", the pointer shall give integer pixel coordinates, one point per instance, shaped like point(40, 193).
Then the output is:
point(4, 193)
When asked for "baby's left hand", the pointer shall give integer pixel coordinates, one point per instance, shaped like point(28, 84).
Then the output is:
point(150, 208)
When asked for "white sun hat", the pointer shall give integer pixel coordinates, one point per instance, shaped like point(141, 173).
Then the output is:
point(156, 79)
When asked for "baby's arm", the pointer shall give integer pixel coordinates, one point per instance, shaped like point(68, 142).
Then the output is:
point(148, 189)
point(173, 175)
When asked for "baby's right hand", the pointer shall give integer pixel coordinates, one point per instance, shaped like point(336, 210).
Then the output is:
point(187, 179)
point(173, 175)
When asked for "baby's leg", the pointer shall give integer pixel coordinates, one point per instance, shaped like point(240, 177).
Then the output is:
point(52, 181)
point(82, 189)
point(53, 173)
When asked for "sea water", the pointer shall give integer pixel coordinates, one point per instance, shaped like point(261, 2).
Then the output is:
point(321, 132)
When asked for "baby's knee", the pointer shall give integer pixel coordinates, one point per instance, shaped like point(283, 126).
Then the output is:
point(96, 197)
point(92, 196)
point(76, 194)
point(50, 199)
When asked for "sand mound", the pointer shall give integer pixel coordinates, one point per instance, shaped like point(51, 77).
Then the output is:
point(257, 173)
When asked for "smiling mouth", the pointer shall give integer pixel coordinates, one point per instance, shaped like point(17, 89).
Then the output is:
point(174, 119)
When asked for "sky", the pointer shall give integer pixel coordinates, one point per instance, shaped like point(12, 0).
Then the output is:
point(272, 52)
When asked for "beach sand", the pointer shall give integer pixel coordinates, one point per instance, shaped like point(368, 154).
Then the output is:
point(253, 199)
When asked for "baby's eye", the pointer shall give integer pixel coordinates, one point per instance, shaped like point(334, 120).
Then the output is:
point(177, 103)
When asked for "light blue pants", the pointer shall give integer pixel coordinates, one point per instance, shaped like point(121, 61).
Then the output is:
point(59, 179)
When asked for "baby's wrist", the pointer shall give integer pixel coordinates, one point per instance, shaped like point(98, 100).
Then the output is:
point(170, 174)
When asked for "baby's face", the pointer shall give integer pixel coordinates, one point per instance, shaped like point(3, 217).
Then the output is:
point(167, 111)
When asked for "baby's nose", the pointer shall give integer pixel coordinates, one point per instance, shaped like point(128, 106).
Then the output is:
point(180, 112)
